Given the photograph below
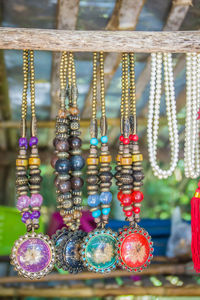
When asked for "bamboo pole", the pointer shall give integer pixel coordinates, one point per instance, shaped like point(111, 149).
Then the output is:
point(88, 292)
point(107, 41)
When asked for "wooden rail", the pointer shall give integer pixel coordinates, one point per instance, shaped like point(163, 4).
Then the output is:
point(107, 41)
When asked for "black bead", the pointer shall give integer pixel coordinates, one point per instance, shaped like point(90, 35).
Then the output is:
point(62, 146)
point(106, 176)
point(62, 166)
point(126, 179)
point(77, 183)
point(92, 180)
point(75, 143)
point(138, 176)
point(77, 162)
point(64, 186)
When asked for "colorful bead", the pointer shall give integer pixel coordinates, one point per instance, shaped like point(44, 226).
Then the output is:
point(64, 186)
point(126, 141)
point(135, 138)
point(93, 200)
point(77, 183)
point(121, 138)
point(36, 200)
point(126, 199)
point(96, 213)
point(77, 162)
point(137, 157)
point(62, 146)
point(136, 210)
point(106, 198)
point(126, 161)
point(62, 114)
point(23, 202)
point(119, 195)
point(94, 141)
point(106, 211)
point(73, 111)
point(26, 215)
point(34, 161)
point(104, 139)
point(118, 157)
point(62, 166)
point(75, 143)
point(23, 142)
point(92, 161)
point(137, 196)
point(21, 162)
point(105, 158)
point(33, 141)
point(128, 213)
point(35, 214)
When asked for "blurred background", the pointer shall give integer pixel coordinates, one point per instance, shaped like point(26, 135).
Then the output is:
point(166, 207)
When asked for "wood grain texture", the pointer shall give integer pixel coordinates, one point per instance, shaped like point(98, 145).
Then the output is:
point(107, 41)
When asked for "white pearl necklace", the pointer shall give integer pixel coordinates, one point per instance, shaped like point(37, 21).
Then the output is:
point(154, 111)
point(192, 125)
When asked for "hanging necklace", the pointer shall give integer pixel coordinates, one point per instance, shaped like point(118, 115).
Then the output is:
point(98, 248)
point(134, 249)
point(192, 126)
point(68, 163)
point(154, 107)
point(33, 255)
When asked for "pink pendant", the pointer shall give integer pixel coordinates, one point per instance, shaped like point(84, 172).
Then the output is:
point(135, 249)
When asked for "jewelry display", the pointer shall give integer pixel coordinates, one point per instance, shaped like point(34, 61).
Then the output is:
point(68, 163)
point(154, 108)
point(33, 255)
point(135, 248)
point(98, 247)
point(192, 125)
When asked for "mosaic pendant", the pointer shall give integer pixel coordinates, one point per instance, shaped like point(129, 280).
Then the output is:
point(33, 255)
point(135, 249)
point(67, 245)
point(98, 250)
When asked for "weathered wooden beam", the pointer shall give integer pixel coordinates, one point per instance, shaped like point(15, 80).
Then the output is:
point(107, 41)
point(67, 13)
point(124, 17)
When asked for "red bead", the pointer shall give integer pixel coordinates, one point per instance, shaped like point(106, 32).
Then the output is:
point(135, 138)
point(131, 137)
point(128, 213)
point(126, 141)
point(121, 138)
point(120, 195)
point(136, 210)
point(137, 196)
point(126, 200)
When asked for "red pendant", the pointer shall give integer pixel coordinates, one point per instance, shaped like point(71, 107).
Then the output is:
point(135, 249)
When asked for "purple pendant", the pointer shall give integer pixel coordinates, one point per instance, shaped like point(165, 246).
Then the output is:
point(33, 255)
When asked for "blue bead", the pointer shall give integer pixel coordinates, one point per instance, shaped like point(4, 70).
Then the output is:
point(104, 139)
point(96, 213)
point(106, 197)
point(94, 141)
point(106, 211)
point(93, 200)
point(62, 166)
point(77, 162)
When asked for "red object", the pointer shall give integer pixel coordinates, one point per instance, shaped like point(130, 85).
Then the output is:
point(131, 137)
point(126, 200)
point(135, 250)
point(137, 196)
point(126, 141)
point(135, 138)
point(119, 195)
point(136, 210)
point(121, 138)
point(195, 226)
point(128, 213)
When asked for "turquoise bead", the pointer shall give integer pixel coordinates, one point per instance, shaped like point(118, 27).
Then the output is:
point(96, 213)
point(106, 211)
point(94, 141)
point(104, 139)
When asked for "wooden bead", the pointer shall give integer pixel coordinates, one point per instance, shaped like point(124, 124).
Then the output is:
point(105, 158)
point(34, 161)
point(137, 157)
point(126, 161)
point(92, 161)
point(21, 162)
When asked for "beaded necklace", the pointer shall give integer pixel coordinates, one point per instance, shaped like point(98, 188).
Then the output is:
point(98, 248)
point(134, 249)
point(33, 255)
point(68, 163)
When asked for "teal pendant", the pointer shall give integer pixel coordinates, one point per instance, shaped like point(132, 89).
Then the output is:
point(98, 250)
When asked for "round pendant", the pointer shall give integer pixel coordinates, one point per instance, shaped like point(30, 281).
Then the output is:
point(33, 255)
point(135, 248)
point(67, 250)
point(98, 250)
